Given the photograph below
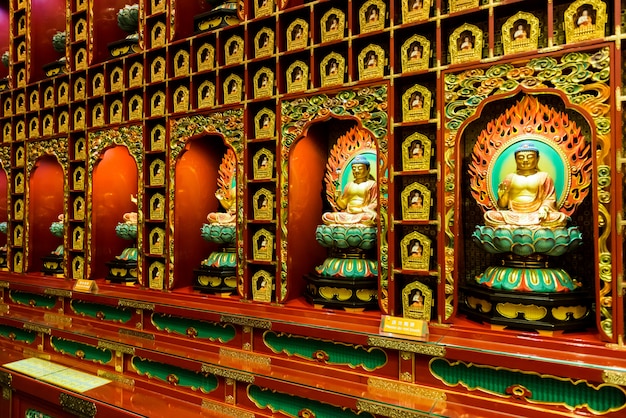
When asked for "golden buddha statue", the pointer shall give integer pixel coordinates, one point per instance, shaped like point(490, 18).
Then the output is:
point(527, 197)
point(227, 200)
point(358, 200)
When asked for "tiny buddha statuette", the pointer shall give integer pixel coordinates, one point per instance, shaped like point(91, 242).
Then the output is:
point(53, 262)
point(528, 186)
point(348, 277)
point(124, 267)
point(216, 273)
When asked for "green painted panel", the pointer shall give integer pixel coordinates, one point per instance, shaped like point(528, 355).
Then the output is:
point(17, 334)
point(211, 331)
point(104, 312)
point(540, 388)
point(326, 351)
point(33, 299)
point(81, 351)
point(295, 406)
point(175, 375)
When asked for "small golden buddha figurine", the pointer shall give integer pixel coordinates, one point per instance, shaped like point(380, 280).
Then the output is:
point(359, 198)
point(228, 203)
point(527, 197)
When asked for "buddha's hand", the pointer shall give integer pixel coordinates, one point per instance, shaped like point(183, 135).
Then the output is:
point(543, 213)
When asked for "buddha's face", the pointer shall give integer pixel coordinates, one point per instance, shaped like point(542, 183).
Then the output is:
point(360, 172)
point(526, 160)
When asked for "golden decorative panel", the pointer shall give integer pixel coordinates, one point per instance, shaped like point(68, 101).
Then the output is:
point(297, 77)
point(584, 20)
point(78, 264)
point(18, 260)
point(18, 234)
point(297, 34)
point(332, 69)
point(157, 204)
point(415, 202)
point(6, 132)
point(415, 10)
point(157, 6)
point(181, 99)
point(416, 104)
point(233, 50)
point(20, 103)
point(34, 100)
point(63, 93)
point(97, 115)
point(415, 251)
point(8, 107)
point(157, 138)
point(520, 33)
point(372, 16)
point(415, 54)
point(157, 69)
point(48, 124)
point(264, 123)
point(77, 238)
point(262, 283)
point(263, 202)
point(156, 272)
point(263, 164)
point(416, 152)
point(79, 208)
point(458, 5)
point(19, 183)
point(21, 51)
point(98, 84)
point(206, 94)
point(465, 44)
point(157, 103)
point(20, 130)
point(79, 88)
point(417, 301)
point(19, 157)
point(263, 245)
point(116, 78)
point(372, 62)
point(79, 118)
point(79, 149)
point(181, 63)
point(156, 238)
point(157, 173)
point(33, 127)
point(233, 89)
point(115, 111)
point(135, 75)
point(157, 34)
point(332, 25)
point(263, 83)
point(205, 57)
point(263, 7)
point(135, 107)
point(79, 178)
point(80, 30)
point(48, 97)
point(264, 43)
point(80, 59)
point(21, 77)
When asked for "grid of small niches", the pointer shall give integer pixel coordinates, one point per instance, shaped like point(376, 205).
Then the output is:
point(78, 208)
point(18, 45)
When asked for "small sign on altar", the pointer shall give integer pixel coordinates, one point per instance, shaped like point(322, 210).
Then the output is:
point(85, 286)
point(406, 326)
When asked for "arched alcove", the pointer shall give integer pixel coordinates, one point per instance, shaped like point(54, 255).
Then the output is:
point(45, 205)
point(115, 180)
point(196, 175)
point(307, 200)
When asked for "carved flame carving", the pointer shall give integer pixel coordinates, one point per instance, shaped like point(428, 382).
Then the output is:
point(226, 172)
point(530, 117)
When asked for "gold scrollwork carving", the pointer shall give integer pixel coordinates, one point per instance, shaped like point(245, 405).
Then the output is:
point(613, 377)
point(80, 407)
point(5, 378)
point(530, 312)
point(121, 348)
point(4, 285)
point(225, 409)
point(6, 393)
point(245, 356)
point(58, 292)
point(37, 328)
point(402, 345)
point(116, 378)
point(138, 334)
point(135, 304)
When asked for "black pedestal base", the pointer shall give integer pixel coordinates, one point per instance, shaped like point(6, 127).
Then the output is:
point(528, 310)
point(52, 265)
point(122, 271)
point(215, 280)
point(215, 19)
point(55, 68)
point(124, 47)
point(342, 293)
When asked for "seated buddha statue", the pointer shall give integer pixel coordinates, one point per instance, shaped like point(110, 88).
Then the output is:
point(527, 197)
point(228, 203)
point(130, 218)
point(358, 200)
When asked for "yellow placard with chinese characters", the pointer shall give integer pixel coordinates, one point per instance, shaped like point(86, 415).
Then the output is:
point(406, 326)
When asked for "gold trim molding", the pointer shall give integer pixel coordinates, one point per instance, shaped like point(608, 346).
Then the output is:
point(616, 378)
point(402, 345)
point(37, 328)
point(122, 348)
point(6, 378)
point(405, 389)
point(135, 304)
point(246, 356)
point(138, 334)
point(230, 374)
point(57, 318)
point(126, 381)
point(58, 292)
point(248, 322)
point(387, 410)
point(4, 284)
point(225, 409)
point(77, 406)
